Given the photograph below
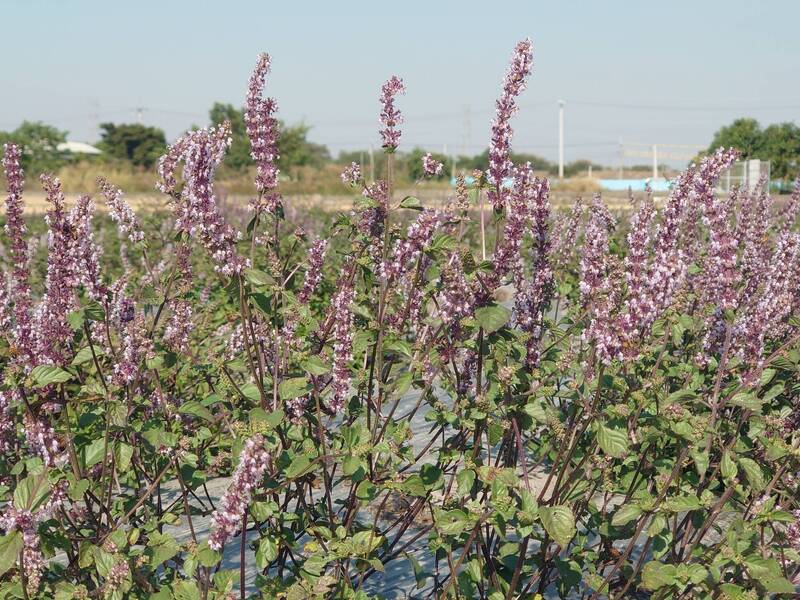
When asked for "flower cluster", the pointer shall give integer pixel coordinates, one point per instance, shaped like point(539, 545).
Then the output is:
point(534, 293)
point(598, 287)
point(500, 165)
point(342, 343)
point(262, 129)
point(227, 519)
point(316, 258)
point(390, 115)
point(121, 212)
point(430, 166)
point(179, 327)
point(352, 174)
point(196, 210)
point(51, 330)
point(20, 294)
point(27, 523)
point(637, 302)
point(419, 235)
point(85, 253)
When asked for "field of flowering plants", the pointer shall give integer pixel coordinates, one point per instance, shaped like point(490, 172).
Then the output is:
point(487, 400)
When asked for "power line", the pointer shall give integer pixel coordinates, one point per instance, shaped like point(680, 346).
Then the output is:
point(665, 107)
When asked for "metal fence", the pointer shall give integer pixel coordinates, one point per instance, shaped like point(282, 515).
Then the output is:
point(745, 174)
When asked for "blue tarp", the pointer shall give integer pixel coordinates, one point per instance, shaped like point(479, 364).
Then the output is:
point(637, 185)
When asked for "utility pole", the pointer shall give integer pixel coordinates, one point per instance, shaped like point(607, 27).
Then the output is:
point(139, 115)
point(561, 139)
point(621, 158)
point(655, 162)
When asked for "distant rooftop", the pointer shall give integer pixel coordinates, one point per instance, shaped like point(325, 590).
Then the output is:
point(78, 148)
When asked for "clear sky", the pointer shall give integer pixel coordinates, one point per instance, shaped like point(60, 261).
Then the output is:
point(637, 71)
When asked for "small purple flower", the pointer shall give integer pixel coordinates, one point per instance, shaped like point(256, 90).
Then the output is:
point(42, 441)
point(598, 288)
point(390, 116)
point(342, 343)
point(457, 300)
point(431, 166)
point(179, 327)
point(136, 347)
point(20, 293)
point(196, 208)
point(566, 232)
point(352, 174)
point(27, 523)
point(262, 129)
point(85, 253)
point(51, 330)
point(418, 237)
point(316, 258)
point(638, 303)
point(121, 212)
point(227, 518)
point(500, 165)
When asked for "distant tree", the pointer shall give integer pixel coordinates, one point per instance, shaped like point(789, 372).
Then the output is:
point(781, 146)
point(139, 144)
point(481, 161)
point(778, 143)
point(293, 146)
point(297, 151)
point(744, 134)
point(578, 168)
point(39, 143)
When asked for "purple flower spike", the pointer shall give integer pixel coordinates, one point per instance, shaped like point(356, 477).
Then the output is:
point(390, 115)
point(500, 165)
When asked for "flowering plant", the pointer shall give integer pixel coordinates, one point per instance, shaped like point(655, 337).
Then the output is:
point(574, 405)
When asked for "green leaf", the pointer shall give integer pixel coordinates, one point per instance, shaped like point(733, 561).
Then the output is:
point(656, 575)
point(614, 442)
point(192, 407)
point(299, 465)
point(94, 312)
point(365, 542)
point(207, 556)
point(559, 523)
point(315, 366)
point(752, 471)
point(123, 454)
point(657, 525)
point(777, 585)
point(727, 465)
point(399, 346)
point(748, 401)
point(626, 514)
point(411, 202)
point(492, 318)
point(84, 355)
point(701, 461)
point(266, 553)
point(419, 573)
point(10, 547)
point(292, 388)
point(48, 374)
point(430, 475)
point(465, 480)
point(257, 277)
point(94, 452)
point(31, 492)
point(682, 503)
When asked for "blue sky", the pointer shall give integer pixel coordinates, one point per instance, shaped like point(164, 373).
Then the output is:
point(644, 72)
